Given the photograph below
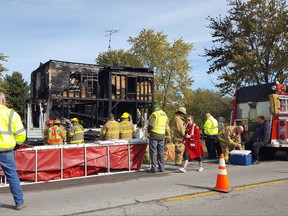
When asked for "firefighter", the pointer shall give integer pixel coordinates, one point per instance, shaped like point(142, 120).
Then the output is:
point(49, 123)
point(230, 139)
point(76, 133)
point(126, 127)
point(56, 134)
point(178, 127)
point(157, 127)
point(211, 133)
point(111, 129)
point(12, 131)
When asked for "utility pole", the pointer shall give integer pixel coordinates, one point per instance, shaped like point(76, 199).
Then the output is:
point(110, 32)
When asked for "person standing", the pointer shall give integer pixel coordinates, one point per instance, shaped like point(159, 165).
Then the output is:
point(178, 127)
point(211, 132)
point(126, 127)
point(76, 132)
point(111, 129)
point(230, 139)
point(12, 132)
point(260, 138)
point(193, 145)
point(57, 134)
point(49, 123)
point(157, 127)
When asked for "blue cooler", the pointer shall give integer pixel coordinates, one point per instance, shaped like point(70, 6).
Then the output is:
point(241, 157)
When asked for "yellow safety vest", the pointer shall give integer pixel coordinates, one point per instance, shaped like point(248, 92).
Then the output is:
point(211, 126)
point(160, 122)
point(12, 130)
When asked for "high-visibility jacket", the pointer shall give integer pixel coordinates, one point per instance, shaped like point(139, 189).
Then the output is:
point(77, 134)
point(159, 122)
point(110, 130)
point(56, 135)
point(178, 128)
point(12, 130)
point(126, 129)
point(211, 126)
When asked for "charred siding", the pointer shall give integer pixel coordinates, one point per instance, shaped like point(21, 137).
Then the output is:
point(90, 92)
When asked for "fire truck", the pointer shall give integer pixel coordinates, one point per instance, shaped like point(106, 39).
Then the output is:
point(269, 100)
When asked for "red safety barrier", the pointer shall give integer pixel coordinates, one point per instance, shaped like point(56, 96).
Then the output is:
point(45, 163)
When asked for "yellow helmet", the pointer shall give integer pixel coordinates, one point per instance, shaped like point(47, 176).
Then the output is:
point(125, 115)
point(57, 121)
point(74, 120)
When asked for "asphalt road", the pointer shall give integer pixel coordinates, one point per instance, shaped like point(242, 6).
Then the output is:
point(257, 190)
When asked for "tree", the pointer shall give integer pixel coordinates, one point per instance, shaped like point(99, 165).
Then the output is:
point(2, 69)
point(18, 92)
point(169, 61)
point(118, 57)
point(250, 44)
point(208, 101)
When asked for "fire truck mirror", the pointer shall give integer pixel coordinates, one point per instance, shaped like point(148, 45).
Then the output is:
point(274, 104)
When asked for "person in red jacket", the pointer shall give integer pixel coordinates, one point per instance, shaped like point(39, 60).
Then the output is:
point(193, 145)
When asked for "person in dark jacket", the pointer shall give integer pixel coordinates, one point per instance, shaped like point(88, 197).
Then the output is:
point(260, 138)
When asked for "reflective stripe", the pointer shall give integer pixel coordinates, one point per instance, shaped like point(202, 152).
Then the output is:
point(10, 120)
point(222, 172)
point(19, 131)
point(6, 132)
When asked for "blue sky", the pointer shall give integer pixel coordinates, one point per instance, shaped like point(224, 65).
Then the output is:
point(34, 31)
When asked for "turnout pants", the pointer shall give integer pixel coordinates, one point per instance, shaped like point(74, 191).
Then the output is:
point(179, 151)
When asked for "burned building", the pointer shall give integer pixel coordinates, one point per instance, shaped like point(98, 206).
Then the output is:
point(61, 89)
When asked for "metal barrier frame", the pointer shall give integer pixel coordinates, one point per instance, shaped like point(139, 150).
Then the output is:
point(4, 183)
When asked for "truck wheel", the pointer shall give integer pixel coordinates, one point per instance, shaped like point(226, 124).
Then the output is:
point(267, 152)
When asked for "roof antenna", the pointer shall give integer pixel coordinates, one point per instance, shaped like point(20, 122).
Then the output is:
point(112, 31)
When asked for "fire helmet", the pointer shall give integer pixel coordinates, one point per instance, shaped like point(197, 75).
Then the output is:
point(125, 115)
point(49, 122)
point(57, 121)
point(74, 120)
point(182, 110)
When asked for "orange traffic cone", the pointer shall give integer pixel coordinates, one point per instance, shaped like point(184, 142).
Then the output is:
point(222, 183)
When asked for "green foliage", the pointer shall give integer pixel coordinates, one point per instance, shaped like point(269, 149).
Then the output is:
point(207, 101)
point(2, 69)
point(117, 57)
point(169, 61)
point(250, 44)
point(18, 92)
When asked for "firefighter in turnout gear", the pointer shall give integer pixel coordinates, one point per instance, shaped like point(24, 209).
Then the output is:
point(178, 127)
point(111, 129)
point(126, 127)
point(56, 134)
point(76, 132)
point(230, 139)
point(49, 123)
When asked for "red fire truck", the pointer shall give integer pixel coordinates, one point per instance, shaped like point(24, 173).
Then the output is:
point(269, 100)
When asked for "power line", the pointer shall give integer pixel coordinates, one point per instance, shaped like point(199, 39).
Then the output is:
point(112, 31)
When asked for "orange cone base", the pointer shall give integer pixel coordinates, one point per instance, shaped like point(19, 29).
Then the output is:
point(223, 191)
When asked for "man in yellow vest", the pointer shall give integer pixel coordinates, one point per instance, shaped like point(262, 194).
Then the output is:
point(178, 127)
point(111, 129)
point(11, 132)
point(76, 132)
point(126, 127)
point(230, 139)
point(211, 132)
point(157, 127)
